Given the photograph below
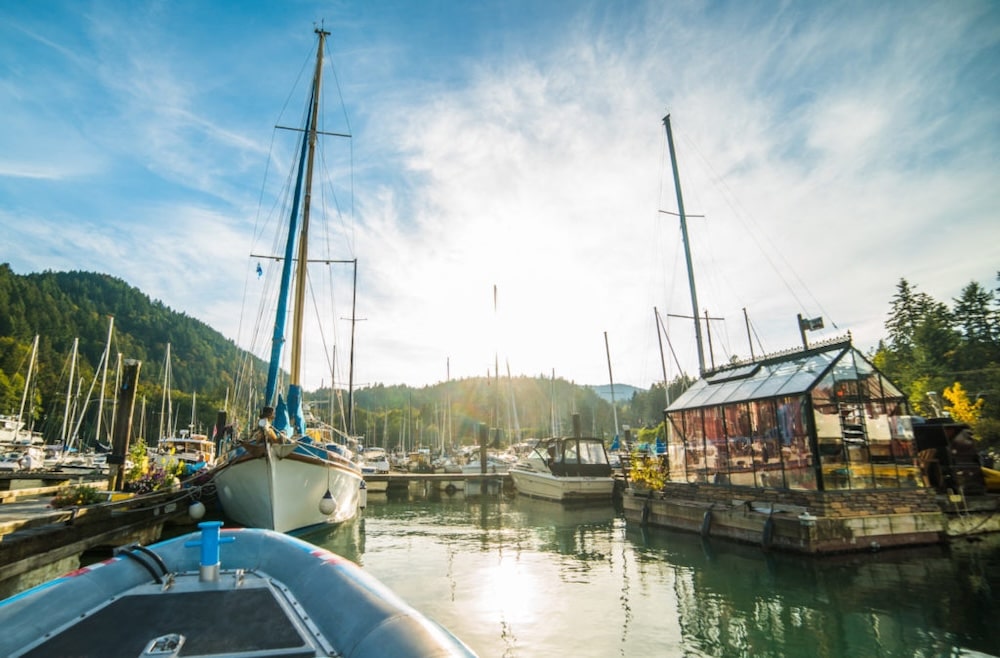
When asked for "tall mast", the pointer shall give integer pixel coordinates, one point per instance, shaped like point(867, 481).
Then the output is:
point(687, 248)
point(304, 169)
point(104, 379)
point(350, 369)
point(611, 378)
point(166, 403)
point(27, 392)
point(303, 257)
point(69, 392)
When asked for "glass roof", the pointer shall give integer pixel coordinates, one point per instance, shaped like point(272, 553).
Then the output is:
point(792, 374)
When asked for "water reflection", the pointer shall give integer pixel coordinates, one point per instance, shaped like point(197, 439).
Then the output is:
point(522, 577)
point(734, 600)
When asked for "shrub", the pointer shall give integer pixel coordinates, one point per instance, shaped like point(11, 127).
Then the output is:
point(76, 495)
point(647, 471)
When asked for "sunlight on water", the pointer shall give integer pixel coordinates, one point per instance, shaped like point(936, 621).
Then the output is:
point(520, 577)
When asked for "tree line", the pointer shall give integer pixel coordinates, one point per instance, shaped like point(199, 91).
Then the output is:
point(935, 352)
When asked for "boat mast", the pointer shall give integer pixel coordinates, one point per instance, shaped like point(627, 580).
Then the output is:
point(166, 403)
point(278, 337)
point(687, 247)
point(300, 270)
point(104, 379)
point(350, 368)
point(21, 422)
point(614, 407)
point(69, 392)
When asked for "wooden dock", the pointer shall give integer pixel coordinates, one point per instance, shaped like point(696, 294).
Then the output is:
point(38, 542)
point(395, 481)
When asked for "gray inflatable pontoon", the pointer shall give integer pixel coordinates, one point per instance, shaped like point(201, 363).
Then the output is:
point(270, 595)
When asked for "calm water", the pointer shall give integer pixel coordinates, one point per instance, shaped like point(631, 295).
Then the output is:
point(520, 577)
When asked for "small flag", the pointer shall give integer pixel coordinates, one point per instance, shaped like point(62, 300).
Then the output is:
point(811, 324)
point(260, 271)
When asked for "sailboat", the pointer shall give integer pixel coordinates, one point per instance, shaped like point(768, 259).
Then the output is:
point(303, 479)
point(186, 448)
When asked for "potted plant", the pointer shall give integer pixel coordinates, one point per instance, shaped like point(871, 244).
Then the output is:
point(646, 474)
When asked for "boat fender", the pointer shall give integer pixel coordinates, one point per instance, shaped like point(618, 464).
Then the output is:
point(363, 495)
point(706, 523)
point(328, 504)
point(767, 535)
point(645, 513)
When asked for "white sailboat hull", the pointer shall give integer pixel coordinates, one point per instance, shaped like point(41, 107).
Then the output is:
point(282, 488)
point(563, 488)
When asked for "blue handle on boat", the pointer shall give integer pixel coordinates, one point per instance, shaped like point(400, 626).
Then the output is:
point(209, 542)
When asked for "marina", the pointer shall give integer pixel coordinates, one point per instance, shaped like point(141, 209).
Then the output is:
point(838, 498)
point(485, 565)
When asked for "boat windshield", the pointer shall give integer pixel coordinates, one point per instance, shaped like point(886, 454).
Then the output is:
point(584, 452)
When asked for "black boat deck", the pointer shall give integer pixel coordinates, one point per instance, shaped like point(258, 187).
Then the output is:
point(213, 622)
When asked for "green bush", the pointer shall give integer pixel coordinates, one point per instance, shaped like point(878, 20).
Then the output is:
point(77, 495)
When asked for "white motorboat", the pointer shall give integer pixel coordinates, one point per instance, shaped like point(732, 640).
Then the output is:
point(374, 461)
point(566, 470)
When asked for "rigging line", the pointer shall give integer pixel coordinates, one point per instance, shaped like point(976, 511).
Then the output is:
point(306, 66)
point(322, 333)
point(350, 131)
point(753, 330)
point(750, 222)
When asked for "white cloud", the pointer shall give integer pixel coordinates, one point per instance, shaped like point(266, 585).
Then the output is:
point(831, 149)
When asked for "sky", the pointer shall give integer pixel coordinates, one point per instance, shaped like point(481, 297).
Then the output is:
point(507, 189)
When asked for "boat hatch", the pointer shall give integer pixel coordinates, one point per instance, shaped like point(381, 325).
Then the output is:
point(243, 614)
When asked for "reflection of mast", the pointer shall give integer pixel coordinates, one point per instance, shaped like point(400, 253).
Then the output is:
point(687, 247)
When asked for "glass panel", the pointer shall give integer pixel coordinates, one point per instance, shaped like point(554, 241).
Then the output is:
point(778, 376)
point(796, 454)
point(736, 460)
point(715, 447)
point(749, 389)
point(734, 373)
point(694, 443)
point(675, 447)
point(592, 452)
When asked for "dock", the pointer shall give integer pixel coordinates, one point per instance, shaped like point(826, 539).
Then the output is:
point(401, 481)
point(38, 542)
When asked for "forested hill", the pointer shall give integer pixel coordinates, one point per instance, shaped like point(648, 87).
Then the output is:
point(59, 307)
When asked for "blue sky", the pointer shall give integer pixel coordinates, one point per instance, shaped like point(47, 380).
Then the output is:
point(832, 149)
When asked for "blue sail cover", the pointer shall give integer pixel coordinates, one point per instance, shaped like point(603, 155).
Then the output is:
point(281, 423)
point(295, 413)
